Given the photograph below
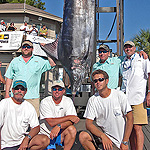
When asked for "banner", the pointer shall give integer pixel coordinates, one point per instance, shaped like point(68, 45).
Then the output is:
point(36, 40)
point(10, 40)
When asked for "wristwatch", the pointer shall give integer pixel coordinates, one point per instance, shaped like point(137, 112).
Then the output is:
point(59, 126)
point(125, 142)
point(148, 91)
point(29, 136)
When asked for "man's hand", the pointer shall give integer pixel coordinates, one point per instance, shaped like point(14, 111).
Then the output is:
point(54, 132)
point(107, 143)
point(124, 147)
point(74, 119)
point(148, 99)
point(24, 144)
point(142, 53)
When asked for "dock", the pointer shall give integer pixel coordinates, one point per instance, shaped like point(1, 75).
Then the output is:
point(81, 126)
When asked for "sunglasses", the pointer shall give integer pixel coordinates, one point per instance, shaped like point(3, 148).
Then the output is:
point(26, 46)
point(100, 80)
point(21, 88)
point(103, 51)
point(55, 89)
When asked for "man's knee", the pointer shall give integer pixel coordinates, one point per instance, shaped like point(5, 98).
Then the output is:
point(84, 136)
point(72, 130)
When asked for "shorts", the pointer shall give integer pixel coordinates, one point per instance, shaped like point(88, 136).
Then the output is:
point(140, 114)
point(54, 142)
point(98, 142)
point(36, 104)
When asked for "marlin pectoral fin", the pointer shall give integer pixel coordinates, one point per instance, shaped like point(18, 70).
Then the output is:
point(51, 48)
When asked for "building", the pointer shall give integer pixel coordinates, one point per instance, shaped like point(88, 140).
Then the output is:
point(19, 13)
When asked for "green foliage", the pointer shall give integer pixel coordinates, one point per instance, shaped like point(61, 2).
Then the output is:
point(36, 3)
point(142, 40)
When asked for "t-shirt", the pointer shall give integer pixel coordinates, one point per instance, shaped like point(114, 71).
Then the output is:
point(49, 109)
point(15, 120)
point(108, 113)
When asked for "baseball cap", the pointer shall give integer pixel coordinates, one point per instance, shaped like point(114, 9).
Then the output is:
point(129, 43)
point(58, 83)
point(28, 43)
point(106, 47)
point(19, 82)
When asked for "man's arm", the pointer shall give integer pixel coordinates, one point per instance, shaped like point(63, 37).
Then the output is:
point(62, 120)
point(61, 123)
point(2, 79)
point(8, 86)
point(107, 143)
point(52, 63)
point(27, 139)
point(148, 94)
point(128, 130)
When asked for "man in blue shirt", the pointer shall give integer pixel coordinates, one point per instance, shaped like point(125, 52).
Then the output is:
point(29, 68)
point(111, 65)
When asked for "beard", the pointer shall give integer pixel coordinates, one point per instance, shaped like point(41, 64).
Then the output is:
point(19, 99)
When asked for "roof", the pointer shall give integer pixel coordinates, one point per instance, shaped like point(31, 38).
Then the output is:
point(25, 8)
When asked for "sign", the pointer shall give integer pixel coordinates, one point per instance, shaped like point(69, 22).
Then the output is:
point(10, 40)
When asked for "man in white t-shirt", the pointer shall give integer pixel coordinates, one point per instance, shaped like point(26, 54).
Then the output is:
point(33, 30)
point(57, 116)
point(109, 107)
point(16, 116)
point(25, 27)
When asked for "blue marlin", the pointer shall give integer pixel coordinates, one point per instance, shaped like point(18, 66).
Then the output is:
point(75, 44)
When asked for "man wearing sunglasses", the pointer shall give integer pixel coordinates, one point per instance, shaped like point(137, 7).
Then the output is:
point(29, 68)
point(111, 65)
point(16, 115)
point(109, 107)
point(58, 114)
point(136, 73)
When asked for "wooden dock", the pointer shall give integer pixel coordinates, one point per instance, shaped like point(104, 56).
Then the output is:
point(81, 126)
point(146, 131)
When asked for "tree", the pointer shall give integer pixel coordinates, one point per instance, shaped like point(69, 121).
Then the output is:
point(35, 3)
point(142, 40)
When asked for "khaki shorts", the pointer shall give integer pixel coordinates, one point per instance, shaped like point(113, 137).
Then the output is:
point(36, 103)
point(140, 114)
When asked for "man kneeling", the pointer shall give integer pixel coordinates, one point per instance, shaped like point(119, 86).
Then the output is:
point(16, 116)
point(58, 114)
point(108, 107)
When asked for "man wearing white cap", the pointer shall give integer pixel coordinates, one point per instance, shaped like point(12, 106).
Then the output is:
point(136, 72)
point(58, 114)
point(29, 68)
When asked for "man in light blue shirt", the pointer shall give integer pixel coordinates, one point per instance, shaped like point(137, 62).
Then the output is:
point(110, 65)
point(29, 68)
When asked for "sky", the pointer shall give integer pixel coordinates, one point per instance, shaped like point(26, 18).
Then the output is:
point(136, 17)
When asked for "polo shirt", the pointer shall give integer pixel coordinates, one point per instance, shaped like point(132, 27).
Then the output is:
point(135, 74)
point(112, 67)
point(29, 72)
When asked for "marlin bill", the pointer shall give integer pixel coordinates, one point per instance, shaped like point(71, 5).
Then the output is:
point(75, 44)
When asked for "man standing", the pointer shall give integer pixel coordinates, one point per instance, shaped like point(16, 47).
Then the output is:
point(135, 72)
point(16, 115)
point(109, 107)
point(58, 114)
point(29, 68)
point(111, 65)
